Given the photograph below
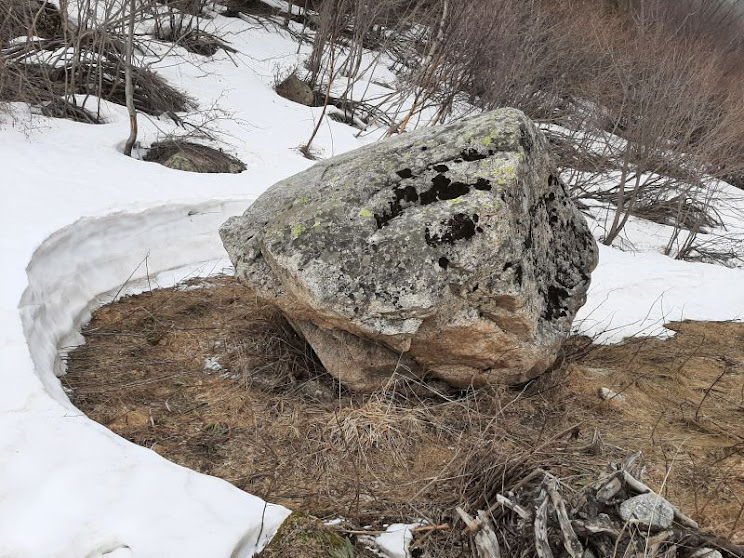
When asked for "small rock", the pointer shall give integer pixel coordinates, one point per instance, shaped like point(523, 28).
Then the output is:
point(706, 553)
point(212, 363)
point(193, 157)
point(294, 89)
point(607, 393)
point(649, 510)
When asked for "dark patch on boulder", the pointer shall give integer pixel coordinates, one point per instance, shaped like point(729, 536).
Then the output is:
point(482, 184)
point(470, 154)
point(459, 227)
point(443, 189)
point(405, 194)
point(555, 299)
point(526, 139)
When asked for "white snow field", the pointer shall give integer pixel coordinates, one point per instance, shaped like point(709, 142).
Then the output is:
point(81, 221)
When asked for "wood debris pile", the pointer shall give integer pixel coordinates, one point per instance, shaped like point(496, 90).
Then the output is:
point(616, 516)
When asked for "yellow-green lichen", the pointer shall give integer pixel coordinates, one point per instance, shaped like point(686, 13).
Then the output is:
point(316, 225)
point(365, 213)
point(488, 140)
point(498, 169)
point(303, 200)
point(456, 201)
point(297, 230)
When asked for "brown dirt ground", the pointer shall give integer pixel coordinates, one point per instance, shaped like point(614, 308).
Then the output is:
point(273, 423)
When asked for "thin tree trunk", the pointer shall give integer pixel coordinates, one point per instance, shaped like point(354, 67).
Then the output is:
point(619, 202)
point(128, 85)
point(428, 69)
point(288, 15)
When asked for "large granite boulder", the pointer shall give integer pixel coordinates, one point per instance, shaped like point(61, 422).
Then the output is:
point(451, 251)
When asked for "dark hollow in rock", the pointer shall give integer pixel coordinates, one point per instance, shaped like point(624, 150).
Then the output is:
point(193, 157)
point(450, 252)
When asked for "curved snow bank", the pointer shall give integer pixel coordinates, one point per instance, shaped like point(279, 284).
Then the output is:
point(88, 262)
point(70, 486)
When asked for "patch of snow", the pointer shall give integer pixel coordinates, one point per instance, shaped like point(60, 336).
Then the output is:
point(637, 293)
point(394, 542)
point(81, 225)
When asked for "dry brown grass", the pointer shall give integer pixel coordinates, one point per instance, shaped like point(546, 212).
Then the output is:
point(272, 422)
point(684, 407)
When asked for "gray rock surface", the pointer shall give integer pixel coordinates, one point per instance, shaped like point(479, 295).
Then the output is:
point(649, 510)
point(450, 251)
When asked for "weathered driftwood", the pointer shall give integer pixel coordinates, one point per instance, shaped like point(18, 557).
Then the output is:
point(542, 545)
point(486, 542)
point(570, 540)
point(609, 490)
point(521, 511)
point(585, 523)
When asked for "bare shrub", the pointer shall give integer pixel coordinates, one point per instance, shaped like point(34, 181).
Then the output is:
point(181, 23)
point(59, 60)
point(28, 18)
point(103, 77)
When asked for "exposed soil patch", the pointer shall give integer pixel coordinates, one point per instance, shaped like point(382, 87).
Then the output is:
point(207, 378)
point(194, 40)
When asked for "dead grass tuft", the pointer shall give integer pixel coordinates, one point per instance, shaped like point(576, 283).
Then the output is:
point(377, 425)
